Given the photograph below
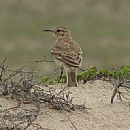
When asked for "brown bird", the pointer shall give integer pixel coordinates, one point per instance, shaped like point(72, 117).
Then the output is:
point(67, 53)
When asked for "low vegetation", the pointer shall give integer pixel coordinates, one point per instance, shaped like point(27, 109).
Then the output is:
point(23, 87)
point(91, 74)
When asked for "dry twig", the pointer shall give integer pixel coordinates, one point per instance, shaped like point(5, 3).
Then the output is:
point(25, 90)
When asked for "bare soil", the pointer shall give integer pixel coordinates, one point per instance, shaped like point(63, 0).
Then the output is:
point(101, 116)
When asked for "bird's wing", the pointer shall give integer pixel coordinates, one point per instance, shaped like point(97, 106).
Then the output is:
point(71, 59)
point(68, 53)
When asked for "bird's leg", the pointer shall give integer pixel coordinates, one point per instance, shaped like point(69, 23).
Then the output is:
point(71, 77)
point(61, 73)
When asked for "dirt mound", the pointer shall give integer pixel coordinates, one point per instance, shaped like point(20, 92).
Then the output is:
point(100, 115)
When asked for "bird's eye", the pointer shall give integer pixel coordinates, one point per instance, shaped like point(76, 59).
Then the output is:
point(58, 30)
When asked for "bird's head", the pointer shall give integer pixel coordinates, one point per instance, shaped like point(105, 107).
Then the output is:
point(60, 32)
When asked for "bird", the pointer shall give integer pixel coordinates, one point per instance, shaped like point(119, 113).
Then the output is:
point(67, 53)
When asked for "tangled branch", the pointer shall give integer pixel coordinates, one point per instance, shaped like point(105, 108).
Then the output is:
point(17, 86)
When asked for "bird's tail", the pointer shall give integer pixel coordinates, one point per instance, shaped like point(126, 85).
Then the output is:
point(72, 77)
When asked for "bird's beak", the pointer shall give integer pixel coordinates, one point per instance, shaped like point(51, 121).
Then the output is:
point(49, 30)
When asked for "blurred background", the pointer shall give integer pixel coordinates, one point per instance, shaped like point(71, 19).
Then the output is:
point(101, 27)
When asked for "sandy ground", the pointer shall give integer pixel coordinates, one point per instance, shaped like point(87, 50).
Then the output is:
point(102, 115)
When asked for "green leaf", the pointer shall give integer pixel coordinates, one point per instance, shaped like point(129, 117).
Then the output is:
point(105, 72)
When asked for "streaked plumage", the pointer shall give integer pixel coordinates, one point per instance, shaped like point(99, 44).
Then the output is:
point(67, 53)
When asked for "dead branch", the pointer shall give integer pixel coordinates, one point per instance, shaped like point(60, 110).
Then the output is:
point(3, 62)
point(25, 90)
point(43, 60)
point(118, 84)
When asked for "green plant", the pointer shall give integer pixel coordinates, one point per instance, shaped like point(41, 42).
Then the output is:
point(92, 73)
point(122, 72)
point(105, 72)
point(87, 74)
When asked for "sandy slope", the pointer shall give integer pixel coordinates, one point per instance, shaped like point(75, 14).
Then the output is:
point(101, 116)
